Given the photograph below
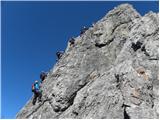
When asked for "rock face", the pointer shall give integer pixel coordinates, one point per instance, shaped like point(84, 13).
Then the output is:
point(110, 72)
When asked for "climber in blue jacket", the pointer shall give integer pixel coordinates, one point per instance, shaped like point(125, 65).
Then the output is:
point(36, 89)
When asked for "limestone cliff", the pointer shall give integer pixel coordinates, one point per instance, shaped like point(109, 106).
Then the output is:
point(110, 72)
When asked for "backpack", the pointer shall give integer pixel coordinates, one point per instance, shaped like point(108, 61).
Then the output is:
point(33, 88)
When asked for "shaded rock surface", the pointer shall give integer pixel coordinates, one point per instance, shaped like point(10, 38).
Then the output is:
point(110, 72)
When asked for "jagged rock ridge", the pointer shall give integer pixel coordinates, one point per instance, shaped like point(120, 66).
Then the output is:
point(110, 72)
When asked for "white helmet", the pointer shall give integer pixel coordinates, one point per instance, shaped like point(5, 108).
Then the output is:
point(36, 81)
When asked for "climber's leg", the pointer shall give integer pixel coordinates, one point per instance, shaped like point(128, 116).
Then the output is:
point(40, 96)
point(34, 99)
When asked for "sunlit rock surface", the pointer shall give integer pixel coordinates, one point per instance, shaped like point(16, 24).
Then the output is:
point(110, 72)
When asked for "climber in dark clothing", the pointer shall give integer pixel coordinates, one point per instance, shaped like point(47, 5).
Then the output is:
point(59, 54)
point(43, 75)
point(136, 45)
point(71, 41)
point(83, 30)
point(37, 92)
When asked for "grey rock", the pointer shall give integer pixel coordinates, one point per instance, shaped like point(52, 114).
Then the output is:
point(110, 72)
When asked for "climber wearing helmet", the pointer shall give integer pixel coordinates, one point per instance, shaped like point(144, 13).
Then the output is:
point(37, 92)
point(71, 41)
point(43, 75)
point(59, 54)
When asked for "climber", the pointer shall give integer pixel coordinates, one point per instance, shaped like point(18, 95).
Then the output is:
point(93, 24)
point(136, 45)
point(43, 75)
point(36, 89)
point(59, 54)
point(83, 30)
point(71, 41)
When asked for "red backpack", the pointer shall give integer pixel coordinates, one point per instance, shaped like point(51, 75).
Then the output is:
point(33, 88)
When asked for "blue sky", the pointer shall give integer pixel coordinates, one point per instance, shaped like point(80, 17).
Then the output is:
point(32, 32)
